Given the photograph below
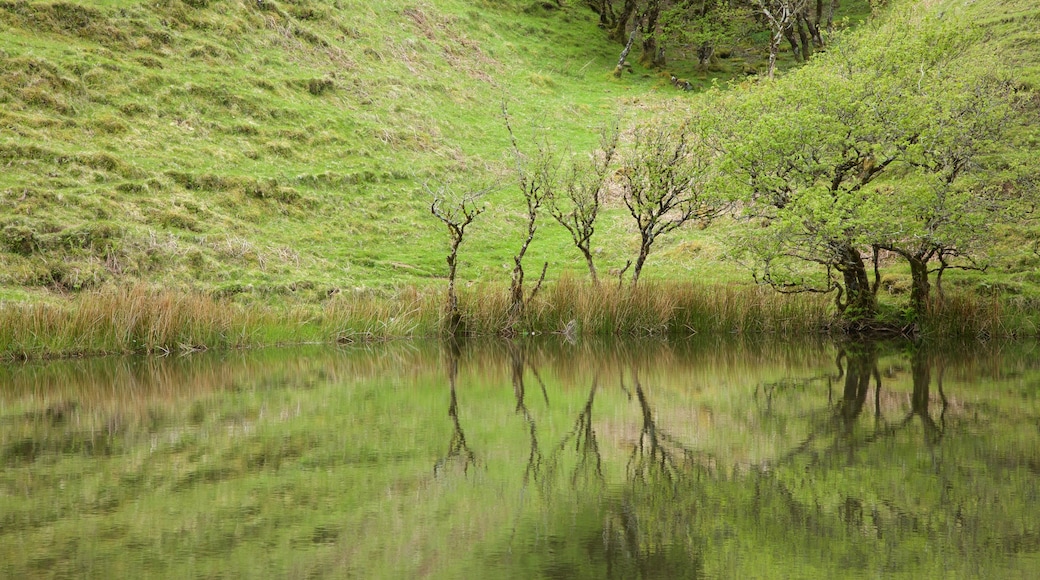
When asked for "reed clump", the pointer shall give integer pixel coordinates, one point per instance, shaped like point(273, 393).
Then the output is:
point(649, 309)
point(138, 319)
point(973, 315)
point(149, 320)
point(354, 317)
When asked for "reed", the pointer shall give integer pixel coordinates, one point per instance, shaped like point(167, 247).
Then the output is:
point(650, 309)
point(149, 320)
point(138, 319)
point(973, 315)
point(362, 317)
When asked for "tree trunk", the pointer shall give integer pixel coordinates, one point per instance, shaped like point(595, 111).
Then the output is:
point(454, 317)
point(835, 4)
point(920, 288)
point(704, 54)
point(624, 53)
point(774, 48)
point(815, 24)
point(793, 41)
point(592, 266)
point(516, 288)
point(605, 9)
point(653, 56)
point(803, 37)
point(860, 300)
point(620, 30)
point(644, 251)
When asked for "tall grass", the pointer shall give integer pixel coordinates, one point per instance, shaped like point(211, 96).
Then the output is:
point(652, 308)
point(360, 317)
point(972, 315)
point(125, 320)
point(148, 320)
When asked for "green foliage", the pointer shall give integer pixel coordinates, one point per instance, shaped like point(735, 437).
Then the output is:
point(261, 150)
point(703, 28)
point(882, 142)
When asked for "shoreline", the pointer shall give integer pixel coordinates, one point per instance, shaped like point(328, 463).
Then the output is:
point(147, 320)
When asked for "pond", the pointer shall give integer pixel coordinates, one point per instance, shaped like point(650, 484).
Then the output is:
point(527, 459)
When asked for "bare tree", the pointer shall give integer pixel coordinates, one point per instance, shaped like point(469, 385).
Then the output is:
point(663, 184)
point(456, 212)
point(536, 177)
point(583, 185)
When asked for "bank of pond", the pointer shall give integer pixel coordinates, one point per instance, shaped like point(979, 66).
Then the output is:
point(550, 456)
point(145, 319)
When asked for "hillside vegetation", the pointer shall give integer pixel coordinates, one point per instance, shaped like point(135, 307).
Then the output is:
point(266, 149)
point(228, 145)
point(236, 146)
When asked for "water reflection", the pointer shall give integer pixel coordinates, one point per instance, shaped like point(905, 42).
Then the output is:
point(458, 450)
point(595, 459)
point(588, 462)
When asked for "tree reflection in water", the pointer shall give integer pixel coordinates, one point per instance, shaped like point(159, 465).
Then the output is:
point(459, 454)
point(851, 489)
point(518, 367)
point(589, 464)
point(887, 460)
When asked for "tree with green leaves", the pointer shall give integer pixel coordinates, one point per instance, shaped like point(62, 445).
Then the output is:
point(799, 154)
point(866, 148)
point(942, 201)
point(701, 26)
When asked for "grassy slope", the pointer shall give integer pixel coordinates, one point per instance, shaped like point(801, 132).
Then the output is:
point(281, 148)
point(231, 146)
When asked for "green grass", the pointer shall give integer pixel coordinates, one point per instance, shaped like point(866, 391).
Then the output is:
point(275, 154)
point(230, 149)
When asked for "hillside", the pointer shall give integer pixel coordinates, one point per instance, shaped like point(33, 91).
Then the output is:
point(272, 148)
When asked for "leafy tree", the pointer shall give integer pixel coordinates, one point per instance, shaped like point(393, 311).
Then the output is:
point(939, 205)
point(782, 17)
point(800, 153)
point(653, 52)
point(703, 25)
point(941, 199)
point(698, 24)
point(868, 147)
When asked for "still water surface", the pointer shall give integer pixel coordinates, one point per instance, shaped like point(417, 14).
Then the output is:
point(527, 460)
